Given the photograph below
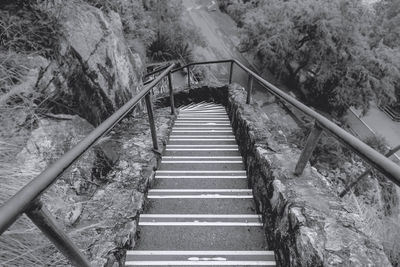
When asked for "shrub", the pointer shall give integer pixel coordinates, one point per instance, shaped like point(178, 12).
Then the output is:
point(28, 30)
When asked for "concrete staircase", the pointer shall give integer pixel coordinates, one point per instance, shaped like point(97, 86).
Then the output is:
point(200, 211)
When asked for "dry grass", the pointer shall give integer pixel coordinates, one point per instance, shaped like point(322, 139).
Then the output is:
point(22, 244)
point(385, 229)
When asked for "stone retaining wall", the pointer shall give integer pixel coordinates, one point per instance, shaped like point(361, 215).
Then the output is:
point(304, 221)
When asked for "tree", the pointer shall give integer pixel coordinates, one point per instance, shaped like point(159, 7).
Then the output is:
point(323, 48)
point(174, 38)
point(388, 21)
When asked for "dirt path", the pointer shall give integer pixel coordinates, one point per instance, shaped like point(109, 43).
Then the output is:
point(222, 38)
point(219, 32)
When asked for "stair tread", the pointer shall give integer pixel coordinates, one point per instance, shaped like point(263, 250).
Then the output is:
point(199, 210)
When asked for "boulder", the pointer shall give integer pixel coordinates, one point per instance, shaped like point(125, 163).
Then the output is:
point(94, 71)
point(47, 143)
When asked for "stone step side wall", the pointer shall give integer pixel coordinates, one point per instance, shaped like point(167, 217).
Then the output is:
point(304, 221)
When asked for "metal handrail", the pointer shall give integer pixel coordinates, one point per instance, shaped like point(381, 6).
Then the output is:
point(27, 198)
point(390, 169)
point(378, 161)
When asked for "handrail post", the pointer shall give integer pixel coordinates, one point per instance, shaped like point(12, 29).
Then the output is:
point(249, 89)
point(42, 218)
point(188, 73)
point(149, 106)
point(231, 72)
point(171, 94)
point(308, 149)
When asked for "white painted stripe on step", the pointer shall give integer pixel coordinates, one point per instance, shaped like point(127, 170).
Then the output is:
point(200, 216)
point(215, 146)
point(186, 113)
point(202, 128)
point(202, 131)
point(202, 149)
point(186, 107)
point(202, 106)
point(203, 136)
point(201, 263)
point(205, 121)
point(186, 117)
point(200, 223)
point(200, 190)
point(189, 117)
point(200, 177)
point(205, 107)
point(201, 139)
point(201, 124)
point(199, 252)
point(195, 116)
point(234, 171)
point(195, 107)
point(204, 112)
point(200, 162)
point(200, 196)
point(202, 157)
point(202, 121)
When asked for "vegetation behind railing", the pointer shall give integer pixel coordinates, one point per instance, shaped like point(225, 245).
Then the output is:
point(27, 200)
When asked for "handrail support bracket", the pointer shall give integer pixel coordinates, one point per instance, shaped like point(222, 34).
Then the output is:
point(308, 149)
point(150, 114)
point(42, 218)
point(249, 89)
point(171, 94)
point(231, 71)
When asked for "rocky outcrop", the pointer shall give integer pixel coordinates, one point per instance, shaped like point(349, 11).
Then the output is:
point(47, 143)
point(94, 71)
point(91, 71)
point(109, 217)
point(97, 208)
point(305, 222)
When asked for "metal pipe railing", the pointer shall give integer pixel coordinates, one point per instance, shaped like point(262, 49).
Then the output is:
point(390, 169)
point(378, 161)
point(24, 201)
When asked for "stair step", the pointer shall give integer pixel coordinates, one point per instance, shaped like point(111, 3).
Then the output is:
point(205, 176)
point(200, 206)
point(201, 237)
point(200, 150)
point(200, 200)
point(201, 165)
point(188, 182)
point(200, 220)
point(200, 258)
point(199, 193)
